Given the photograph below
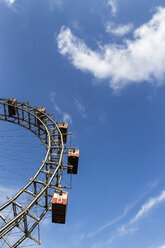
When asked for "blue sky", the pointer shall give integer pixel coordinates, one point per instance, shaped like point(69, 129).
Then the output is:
point(99, 65)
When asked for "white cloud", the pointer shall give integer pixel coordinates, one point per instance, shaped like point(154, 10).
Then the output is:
point(113, 5)
point(77, 238)
point(102, 117)
point(65, 116)
point(131, 226)
point(80, 108)
point(163, 246)
point(123, 230)
point(8, 2)
point(118, 30)
point(55, 3)
point(127, 209)
point(75, 25)
point(113, 222)
point(148, 206)
point(144, 210)
point(135, 61)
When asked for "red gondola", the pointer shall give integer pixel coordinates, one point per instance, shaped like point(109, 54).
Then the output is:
point(73, 157)
point(59, 206)
point(64, 129)
point(12, 108)
point(40, 113)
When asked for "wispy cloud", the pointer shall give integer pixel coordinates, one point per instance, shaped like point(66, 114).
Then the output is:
point(118, 30)
point(75, 25)
point(102, 116)
point(80, 107)
point(144, 210)
point(77, 238)
point(131, 226)
point(65, 116)
point(113, 5)
point(54, 3)
point(111, 223)
point(132, 62)
point(148, 206)
point(127, 209)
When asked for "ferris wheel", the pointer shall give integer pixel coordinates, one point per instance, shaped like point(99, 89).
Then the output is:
point(46, 191)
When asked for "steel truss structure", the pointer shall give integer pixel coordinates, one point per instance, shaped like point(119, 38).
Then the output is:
point(20, 219)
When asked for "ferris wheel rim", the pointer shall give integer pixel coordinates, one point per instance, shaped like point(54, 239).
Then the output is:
point(25, 107)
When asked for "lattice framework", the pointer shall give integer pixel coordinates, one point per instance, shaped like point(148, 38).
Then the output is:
point(17, 215)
